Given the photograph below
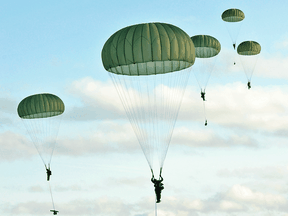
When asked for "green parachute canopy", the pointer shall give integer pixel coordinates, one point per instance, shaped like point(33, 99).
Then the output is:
point(206, 46)
point(233, 15)
point(40, 106)
point(249, 48)
point(146, 49)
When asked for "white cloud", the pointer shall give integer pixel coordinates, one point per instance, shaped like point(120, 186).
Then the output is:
point(237, 199)
point(274, 67)
point(209, 138)
point(36, 188)
point(246, 195)
point(108, 137)
point(101, 206)
point(282, 43)
point(228, 205)
point(274, 173)
point(100, 100)
point(232, 105)
point(14, 146)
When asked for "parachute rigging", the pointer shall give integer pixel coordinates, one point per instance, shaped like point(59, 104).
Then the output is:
point(206, 50)
point(232, 18)
point(41, 115)
point(248, 52)
point(149, 65)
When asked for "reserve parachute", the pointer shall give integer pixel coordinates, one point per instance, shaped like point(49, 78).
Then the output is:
point(149, 65)
point(248, 52)
point(206, 51)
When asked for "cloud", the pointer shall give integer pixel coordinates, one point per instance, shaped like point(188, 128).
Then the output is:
point(246, 195)
point(15, 146)
point(100, 100)
point(30, 208)
point(270, 66)
point(108, 137)
point(36, 188)
point(233, 106)
point(236, 199)
point(68, 188)
point(8, 105)
point(209, 138)
point(273, 173)
point(230, 105)
point(101, 206)
point(282, 43)
point(274, 67)
point(8, 111)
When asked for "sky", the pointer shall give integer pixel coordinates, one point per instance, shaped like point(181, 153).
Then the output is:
point(237, 165)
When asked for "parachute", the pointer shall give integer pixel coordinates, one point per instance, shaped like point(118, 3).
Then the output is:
point(41, 115)
point(233, 18)
point(149, 65)
point(206, 51)
point(248, 52)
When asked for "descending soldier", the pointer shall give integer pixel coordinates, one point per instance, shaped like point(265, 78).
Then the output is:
point(48, 171)
point(203, 95)
point(249, 85)
point(158, 187)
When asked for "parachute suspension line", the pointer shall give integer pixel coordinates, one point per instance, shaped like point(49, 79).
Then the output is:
point(203, 70)
point(249, 64)
point(152, 172)
point(43, 133)
point(252, 70)
point(155, 207)
point(205, 113)
point(152, 104)
point(32, 131)
point(160, 171)
point(56, 136)
point(150, 88)
point(233, 29)
point(179, 96)
point(234, 58)
point(51, 196)
point(174, 104)
point(198, 81)
point(120, 87)
point(210, 69)
point(121, 83)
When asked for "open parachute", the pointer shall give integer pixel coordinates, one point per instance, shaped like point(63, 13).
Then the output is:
point(206, 50)
point(233, 18)
point(248, 52)
point(41, 115)
point(150, 65)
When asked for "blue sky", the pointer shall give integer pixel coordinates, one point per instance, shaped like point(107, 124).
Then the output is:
point(237, 165)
